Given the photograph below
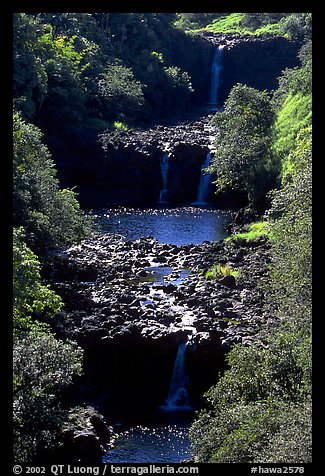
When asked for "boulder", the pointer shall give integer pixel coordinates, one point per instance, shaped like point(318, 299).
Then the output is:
point(229, 281)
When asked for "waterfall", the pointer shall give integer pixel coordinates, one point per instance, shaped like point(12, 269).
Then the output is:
point(205, 179)
point(178, 397)
point(215, 74)
point(164, 164)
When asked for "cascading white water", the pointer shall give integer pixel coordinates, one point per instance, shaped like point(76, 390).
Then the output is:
point(205, 179)
point(215, 74)
point(164, 165)
point(178, 396)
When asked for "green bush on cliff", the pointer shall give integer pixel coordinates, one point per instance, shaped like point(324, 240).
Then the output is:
point(51, 216)
point(30, 296)
point(42, 367)
point(45, 218)
point(42, 364)
point(242, 158)
point(294, 115)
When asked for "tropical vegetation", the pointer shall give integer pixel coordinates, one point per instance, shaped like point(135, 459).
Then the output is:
point(76, 74)
point(260, 409)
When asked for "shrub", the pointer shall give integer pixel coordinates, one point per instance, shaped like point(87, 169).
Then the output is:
point(255, 231)
point(220, 270)
point(51, 216)
point(243, 158)
point(253, 399)
point(120, 126)
point(42, 367)
point(30, 296)
point(120, 92)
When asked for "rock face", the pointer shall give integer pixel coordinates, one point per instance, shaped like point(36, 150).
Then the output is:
point(257, 63)
point(254, 61)
point(125, 170)
point(130, 324)
point(132, 172)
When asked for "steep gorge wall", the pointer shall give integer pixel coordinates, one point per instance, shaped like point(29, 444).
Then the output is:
point(127, 171)
point(257, 63)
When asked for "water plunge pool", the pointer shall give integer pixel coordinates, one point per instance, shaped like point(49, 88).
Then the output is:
point(163, 439)
point(178, 226)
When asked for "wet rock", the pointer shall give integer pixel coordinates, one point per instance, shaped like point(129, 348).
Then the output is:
point(136, 327)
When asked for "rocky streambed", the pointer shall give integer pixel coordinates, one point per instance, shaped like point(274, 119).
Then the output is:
point(129, 305)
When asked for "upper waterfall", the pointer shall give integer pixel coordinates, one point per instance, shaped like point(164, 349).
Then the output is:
point(215, 74)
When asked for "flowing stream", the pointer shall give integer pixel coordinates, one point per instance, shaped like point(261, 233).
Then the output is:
point(163, 437)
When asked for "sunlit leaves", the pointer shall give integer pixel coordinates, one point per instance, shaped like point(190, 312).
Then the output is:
point(120, 91)
point(250, 406)
point(242, 157)
point(30, 296)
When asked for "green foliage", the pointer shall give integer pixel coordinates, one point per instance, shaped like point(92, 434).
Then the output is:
point(291, 236)
point(296, 81)
point(294, 115)
point(242, 158)
point(257, 24)
point(220, 270)
point(251, 404)
point(194, 21)
point(159, 56)
point(42, 365)
point(227, 24)
point(121, 126)
point(120, 92)
point(37, 412)
point(256, 21)
point(297, 26)
point(51, 216)
point(70, 67)
point(179, 85)
point(260, 409)
point(255, 231)
point(30, 296)
point(263, 432)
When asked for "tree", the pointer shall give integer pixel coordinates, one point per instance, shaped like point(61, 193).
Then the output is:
point(256, 403)
point(51, 217)
point(29, 75)
point(30, 296)
point(42, 367)
point(42, 364)
point(120, 92)
point(242, 156)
